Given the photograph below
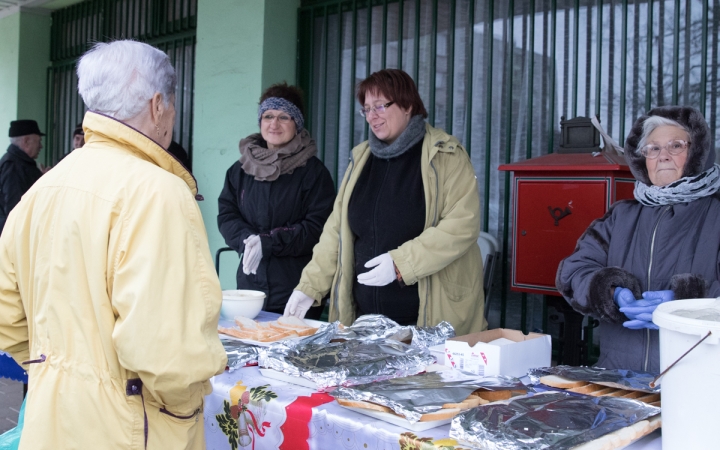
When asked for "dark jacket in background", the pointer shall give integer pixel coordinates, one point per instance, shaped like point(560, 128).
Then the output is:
point(180, 154)
point(18, 172)
point(288, 214)
point(646, 248)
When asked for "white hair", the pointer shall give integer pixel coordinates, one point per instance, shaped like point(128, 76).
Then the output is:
point(16, 140)
point(653, 122)
point(118, 78)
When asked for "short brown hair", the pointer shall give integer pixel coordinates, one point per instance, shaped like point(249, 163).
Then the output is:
point(396, 86)
point(292, 94)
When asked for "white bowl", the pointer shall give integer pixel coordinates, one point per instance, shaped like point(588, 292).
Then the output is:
point(244, 303)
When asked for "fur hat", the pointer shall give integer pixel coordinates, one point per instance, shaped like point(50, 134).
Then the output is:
point(701, 154)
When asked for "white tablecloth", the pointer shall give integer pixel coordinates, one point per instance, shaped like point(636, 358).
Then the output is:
point(279, 415)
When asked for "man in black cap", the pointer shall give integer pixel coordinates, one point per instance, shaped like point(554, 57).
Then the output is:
point(18, 170)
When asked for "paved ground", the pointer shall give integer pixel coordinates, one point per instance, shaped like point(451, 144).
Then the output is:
point(11, 395)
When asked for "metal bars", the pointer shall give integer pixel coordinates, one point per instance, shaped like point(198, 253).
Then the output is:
point(166, 24)
point(512, 109)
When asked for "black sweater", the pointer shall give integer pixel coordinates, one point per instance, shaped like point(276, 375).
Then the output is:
point(387, 209)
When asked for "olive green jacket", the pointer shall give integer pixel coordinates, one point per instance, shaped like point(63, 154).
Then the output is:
point(444, 260)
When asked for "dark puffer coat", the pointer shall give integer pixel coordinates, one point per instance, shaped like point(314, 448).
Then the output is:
point(18, 172)
point(288, 214)
point(646, 248)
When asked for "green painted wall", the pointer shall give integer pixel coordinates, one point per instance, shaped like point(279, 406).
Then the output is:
point(33, 64)
point(9, 60)
point(243, 46)
point(24, 59)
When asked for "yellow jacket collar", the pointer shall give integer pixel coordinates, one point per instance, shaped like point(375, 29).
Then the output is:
point(99, 127)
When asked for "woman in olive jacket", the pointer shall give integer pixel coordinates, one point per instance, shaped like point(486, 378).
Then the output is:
point(402, 238)
point(276, 200)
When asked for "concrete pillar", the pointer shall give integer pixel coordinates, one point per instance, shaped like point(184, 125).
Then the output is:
point(243, 46)
point(24, 59)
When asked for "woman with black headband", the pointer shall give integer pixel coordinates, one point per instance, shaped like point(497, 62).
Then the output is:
point(276, 200)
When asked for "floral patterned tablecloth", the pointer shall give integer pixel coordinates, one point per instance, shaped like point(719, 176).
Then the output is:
point(249, 411)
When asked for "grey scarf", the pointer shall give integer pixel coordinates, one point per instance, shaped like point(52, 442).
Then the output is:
point(414, 132)
point(267, 165)
point(684, 190)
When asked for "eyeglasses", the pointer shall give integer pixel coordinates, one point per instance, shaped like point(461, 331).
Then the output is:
point(652, 151)
point(283, 119)
point(378, 109)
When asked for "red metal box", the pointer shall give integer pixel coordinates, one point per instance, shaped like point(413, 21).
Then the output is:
point(555, 198)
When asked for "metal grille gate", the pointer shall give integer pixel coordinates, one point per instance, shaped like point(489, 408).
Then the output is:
point(500, 74)
point(167, 24)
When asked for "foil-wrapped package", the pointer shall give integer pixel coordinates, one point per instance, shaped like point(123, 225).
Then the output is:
point(556, 420)
point(376, 326)
point(413, 396)
point(239, 354)
point(623, 379)
point(345, 363)
point(427, 337)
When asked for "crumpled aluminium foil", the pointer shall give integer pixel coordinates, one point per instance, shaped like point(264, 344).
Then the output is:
point(426, 337)
point(346, 363)
point(374, 326)
point(638, 381)
point(556, 420)
point(239, 354)
point(413, 396)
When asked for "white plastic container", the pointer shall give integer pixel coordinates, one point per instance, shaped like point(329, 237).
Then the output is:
point(690, 390)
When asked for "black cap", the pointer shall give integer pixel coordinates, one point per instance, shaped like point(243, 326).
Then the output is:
point(23, 128)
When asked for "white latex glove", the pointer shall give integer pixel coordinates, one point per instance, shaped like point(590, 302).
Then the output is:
point(298, 304)
point(383, 273)
point(252, 254)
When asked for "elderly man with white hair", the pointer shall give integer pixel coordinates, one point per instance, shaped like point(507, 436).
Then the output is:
point(108, 296)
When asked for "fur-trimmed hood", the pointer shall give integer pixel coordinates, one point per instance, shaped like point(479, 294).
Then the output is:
point(701, 154)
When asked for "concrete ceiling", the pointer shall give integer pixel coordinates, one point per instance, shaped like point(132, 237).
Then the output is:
point(8, 7)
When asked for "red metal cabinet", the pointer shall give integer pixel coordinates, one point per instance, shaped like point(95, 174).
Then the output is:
point(556, 197)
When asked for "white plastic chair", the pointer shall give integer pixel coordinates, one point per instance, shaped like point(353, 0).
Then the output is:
point(489, 249)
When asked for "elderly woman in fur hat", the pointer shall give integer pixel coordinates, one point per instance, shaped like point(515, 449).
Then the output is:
point(662, 246)
point(276, 199)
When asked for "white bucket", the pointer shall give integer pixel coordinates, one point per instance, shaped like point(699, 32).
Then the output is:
point(690, 393)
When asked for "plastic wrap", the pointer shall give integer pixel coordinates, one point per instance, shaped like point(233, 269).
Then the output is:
point(424, 393)
point(626, 379)
point(344, 363)
point(554, 420)
point(239, 354)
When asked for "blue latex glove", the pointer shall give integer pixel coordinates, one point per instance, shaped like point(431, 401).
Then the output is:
point(623, 297)
point(643, 309)
point(640, 324)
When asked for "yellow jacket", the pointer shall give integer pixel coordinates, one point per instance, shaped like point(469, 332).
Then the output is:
point(444, 260)
point(106, 275)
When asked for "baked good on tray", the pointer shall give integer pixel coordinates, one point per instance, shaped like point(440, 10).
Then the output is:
point(600, 389)
point(282, 328)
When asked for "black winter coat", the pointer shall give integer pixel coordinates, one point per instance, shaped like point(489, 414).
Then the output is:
point(288, 214)
point(18, 172)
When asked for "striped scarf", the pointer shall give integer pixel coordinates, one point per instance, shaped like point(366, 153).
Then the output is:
point(684, 190)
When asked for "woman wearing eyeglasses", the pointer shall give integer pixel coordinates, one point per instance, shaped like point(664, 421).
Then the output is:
point(662, 246)
point(402, 238)
point(276, 199)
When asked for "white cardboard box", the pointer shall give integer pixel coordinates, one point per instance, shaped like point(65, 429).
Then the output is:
point(472, 353)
